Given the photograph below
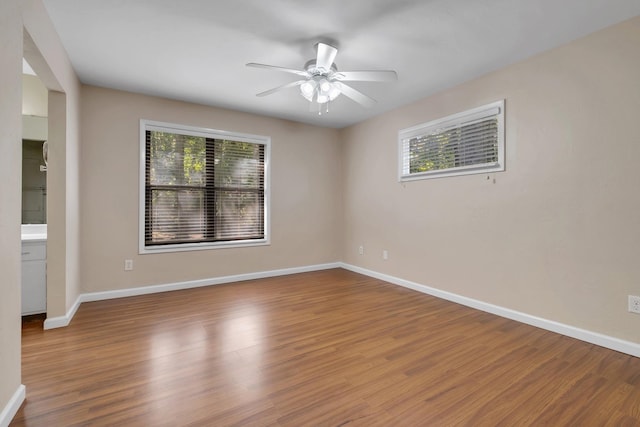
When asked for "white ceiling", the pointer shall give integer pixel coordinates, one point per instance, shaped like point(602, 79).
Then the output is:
point(196, 50)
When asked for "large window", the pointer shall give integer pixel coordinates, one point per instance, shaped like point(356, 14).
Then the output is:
point(461, 144)
point(201, 188)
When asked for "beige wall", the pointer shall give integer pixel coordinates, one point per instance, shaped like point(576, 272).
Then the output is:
point(306, 213)
point(44, 52)
point(10, 194)
point(34, 108)
point(34, 96)
point(558, 234)
point(25, 29)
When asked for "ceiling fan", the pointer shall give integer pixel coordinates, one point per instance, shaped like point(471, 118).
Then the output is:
point(321, 82)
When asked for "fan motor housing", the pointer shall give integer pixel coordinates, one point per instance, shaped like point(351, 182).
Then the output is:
point(311, 68)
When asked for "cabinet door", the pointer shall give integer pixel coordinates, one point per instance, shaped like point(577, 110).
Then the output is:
point(34, 288)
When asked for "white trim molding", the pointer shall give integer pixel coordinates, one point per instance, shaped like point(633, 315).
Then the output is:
point(13, 405)
point(143, 290)
point(151, 125)
point(423, 135)
point(596, 338)
point(62, 321)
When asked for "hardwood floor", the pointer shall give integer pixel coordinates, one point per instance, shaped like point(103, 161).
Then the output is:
point(329, 348)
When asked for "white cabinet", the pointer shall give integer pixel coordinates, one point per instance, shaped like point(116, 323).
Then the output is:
point(34, 277)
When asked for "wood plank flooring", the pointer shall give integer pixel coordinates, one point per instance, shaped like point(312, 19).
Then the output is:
point(328, 348)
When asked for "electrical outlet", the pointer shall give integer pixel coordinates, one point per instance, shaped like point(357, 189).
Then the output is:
point(634, 304)
point(361, 250)
point(128, 264)
point(385, 254)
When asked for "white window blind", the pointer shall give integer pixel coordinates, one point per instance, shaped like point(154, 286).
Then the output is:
point(464, 143)
point(201, 189)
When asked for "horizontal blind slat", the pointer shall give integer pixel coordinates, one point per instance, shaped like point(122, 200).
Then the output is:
point(201, 189)
point(452, 145)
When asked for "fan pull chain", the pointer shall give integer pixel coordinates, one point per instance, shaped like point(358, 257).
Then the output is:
point(326, 109)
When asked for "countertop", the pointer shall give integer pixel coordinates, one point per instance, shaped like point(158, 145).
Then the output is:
point(34, 233)
point(34, 237)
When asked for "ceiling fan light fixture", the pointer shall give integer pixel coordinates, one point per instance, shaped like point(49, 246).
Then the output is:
point(319, 90)
point(321, 99)
point(321, 82)
point(325, 86)
point(307, 88)
point(334, 92)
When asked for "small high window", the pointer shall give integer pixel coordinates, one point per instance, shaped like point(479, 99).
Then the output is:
point(201, 188)
point(460, 144)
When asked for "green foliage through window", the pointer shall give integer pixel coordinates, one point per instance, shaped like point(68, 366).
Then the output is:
point(202, 189)
point(460, 144)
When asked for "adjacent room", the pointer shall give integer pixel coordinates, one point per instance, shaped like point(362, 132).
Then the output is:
point(333, 213)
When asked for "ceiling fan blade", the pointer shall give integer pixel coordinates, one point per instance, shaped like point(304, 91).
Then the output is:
point(367, 76)
point(326, 56)
point(276, 89)
point(273, 67)
point(356, 95)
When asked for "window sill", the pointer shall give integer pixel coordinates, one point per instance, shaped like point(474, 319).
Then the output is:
point(184, 247)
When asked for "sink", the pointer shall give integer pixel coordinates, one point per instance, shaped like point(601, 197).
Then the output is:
point(34, 232)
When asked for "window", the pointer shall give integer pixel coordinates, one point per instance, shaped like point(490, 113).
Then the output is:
point(461, 144)
point(201, 188)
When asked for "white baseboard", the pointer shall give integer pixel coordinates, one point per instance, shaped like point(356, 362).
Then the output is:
point(62, 321)
point(596, 338)
point(12, 406)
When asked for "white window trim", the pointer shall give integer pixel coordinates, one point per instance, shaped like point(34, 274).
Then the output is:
point(207, 133)
point(492, 109)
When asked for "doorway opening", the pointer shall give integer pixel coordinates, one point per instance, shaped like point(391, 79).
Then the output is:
point(34, 193)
